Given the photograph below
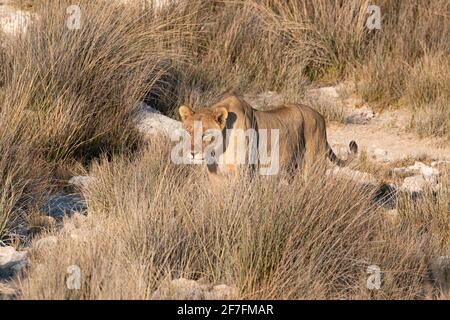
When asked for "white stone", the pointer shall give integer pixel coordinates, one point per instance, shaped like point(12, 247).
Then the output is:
point(179, 289)
point(7, 291)
point(222, 292)
point(418, 168)
point(360, 116)
point(185, 289)
point(11, 261)
point(440, 269)
point(418, 184)
point(59, 205)
point(151, 122)
point(439, 163)
point(357, 176)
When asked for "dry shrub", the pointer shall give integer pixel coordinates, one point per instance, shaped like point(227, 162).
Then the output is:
point(80, 88)
point(150, 220)
point(409, 31)
point(26, 4)
point(253, 46)
point(428, 91)
point(22, 182)
point(432, 120)
point(428, 81)
point(72, 94)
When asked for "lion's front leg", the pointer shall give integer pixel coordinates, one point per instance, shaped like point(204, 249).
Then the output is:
point(221, 177)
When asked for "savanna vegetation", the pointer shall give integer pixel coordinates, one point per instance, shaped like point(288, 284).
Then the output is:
point(68, 100)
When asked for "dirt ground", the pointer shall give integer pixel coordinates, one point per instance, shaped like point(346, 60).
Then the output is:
point(382, 135)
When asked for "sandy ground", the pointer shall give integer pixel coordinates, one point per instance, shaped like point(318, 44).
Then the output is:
point(382, 135)
point(385, 138)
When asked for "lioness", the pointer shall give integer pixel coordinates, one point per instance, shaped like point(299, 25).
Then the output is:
point(300, 130)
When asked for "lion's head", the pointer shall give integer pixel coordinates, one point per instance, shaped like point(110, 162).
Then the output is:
point(203, 126)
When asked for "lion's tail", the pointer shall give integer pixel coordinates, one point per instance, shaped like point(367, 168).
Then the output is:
point(351, 156)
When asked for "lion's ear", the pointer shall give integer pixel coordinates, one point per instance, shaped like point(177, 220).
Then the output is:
point(185, 112)
point(221, 115)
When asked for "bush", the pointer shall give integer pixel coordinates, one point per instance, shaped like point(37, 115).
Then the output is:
point(150, 220)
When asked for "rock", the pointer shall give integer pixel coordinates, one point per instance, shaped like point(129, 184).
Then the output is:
point(402, 171)
point(179, 289)
point(440, 163)
point(222, 292)
point(418, 168)
point(81, 182)
point(151, 122)
point(45, 243)
point(11, 261)
point(360, 116)
point(184, 289)
point(418, 184)
point(357, 176)
point(60, 204)
point(440, 269)
point(264, 100)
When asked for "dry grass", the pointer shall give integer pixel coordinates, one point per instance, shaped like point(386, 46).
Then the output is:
point(432, 120)
point(428, 91)
point(410, 31)
point(331, 111)
point(71, 94)
point(69, 97)
point(25, 4)
point(150, 220)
